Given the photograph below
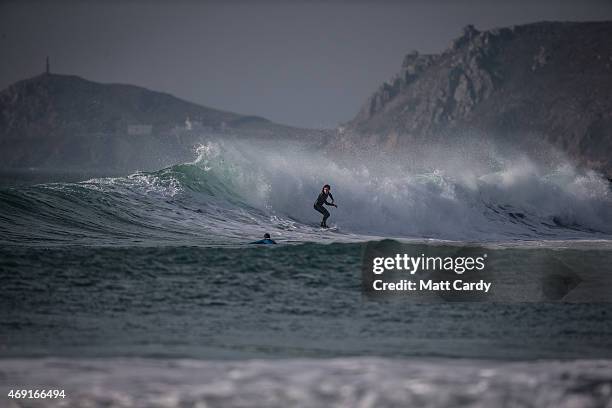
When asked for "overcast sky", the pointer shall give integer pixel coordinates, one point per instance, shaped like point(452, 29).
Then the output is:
point(304, 63)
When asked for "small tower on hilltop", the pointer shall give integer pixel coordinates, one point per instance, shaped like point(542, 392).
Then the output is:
point(48, 70)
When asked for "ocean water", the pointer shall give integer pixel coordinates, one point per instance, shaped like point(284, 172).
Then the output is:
point(144, 289)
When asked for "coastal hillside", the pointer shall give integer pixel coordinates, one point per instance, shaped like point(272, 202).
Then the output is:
point(64, 121)
point(549, 81)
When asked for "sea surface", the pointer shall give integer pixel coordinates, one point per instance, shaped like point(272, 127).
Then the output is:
point(145, 289)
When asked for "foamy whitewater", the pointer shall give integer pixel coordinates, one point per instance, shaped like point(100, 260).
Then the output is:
point(361, 383)
point(144, 290)
point(235, 191)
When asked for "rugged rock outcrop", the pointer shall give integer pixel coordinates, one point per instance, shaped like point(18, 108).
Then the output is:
point(551, 81)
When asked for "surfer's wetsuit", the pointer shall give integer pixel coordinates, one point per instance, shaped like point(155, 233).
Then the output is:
point(318, 205)
point(264, 241)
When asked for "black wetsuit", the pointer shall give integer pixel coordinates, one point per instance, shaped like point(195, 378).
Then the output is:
point(318, 205)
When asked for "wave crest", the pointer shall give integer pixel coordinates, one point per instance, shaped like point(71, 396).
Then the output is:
point(236, 190)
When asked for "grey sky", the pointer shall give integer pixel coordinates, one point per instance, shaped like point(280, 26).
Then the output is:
point(305, 63)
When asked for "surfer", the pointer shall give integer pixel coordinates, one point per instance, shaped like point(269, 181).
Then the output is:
point(322, 199)
point(266, 240)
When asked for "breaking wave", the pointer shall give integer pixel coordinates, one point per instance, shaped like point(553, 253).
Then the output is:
point(236, 190)
point(356, 382)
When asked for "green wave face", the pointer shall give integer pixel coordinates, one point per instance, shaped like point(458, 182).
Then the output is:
point(235, 191)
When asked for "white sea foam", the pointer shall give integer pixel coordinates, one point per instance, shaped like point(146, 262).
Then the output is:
point(351, 382)
point(236, 190)
point(494, 197)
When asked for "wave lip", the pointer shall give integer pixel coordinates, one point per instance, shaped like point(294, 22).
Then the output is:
point(235, 191)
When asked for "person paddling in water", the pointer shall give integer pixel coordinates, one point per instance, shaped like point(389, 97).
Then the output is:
point(265, 240)
point(322, 199)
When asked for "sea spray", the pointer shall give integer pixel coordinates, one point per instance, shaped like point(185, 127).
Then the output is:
point(236, 190)
point(494, 197)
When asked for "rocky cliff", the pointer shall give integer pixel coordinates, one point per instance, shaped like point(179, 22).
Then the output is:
point(551, 81)
point(61, 121)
